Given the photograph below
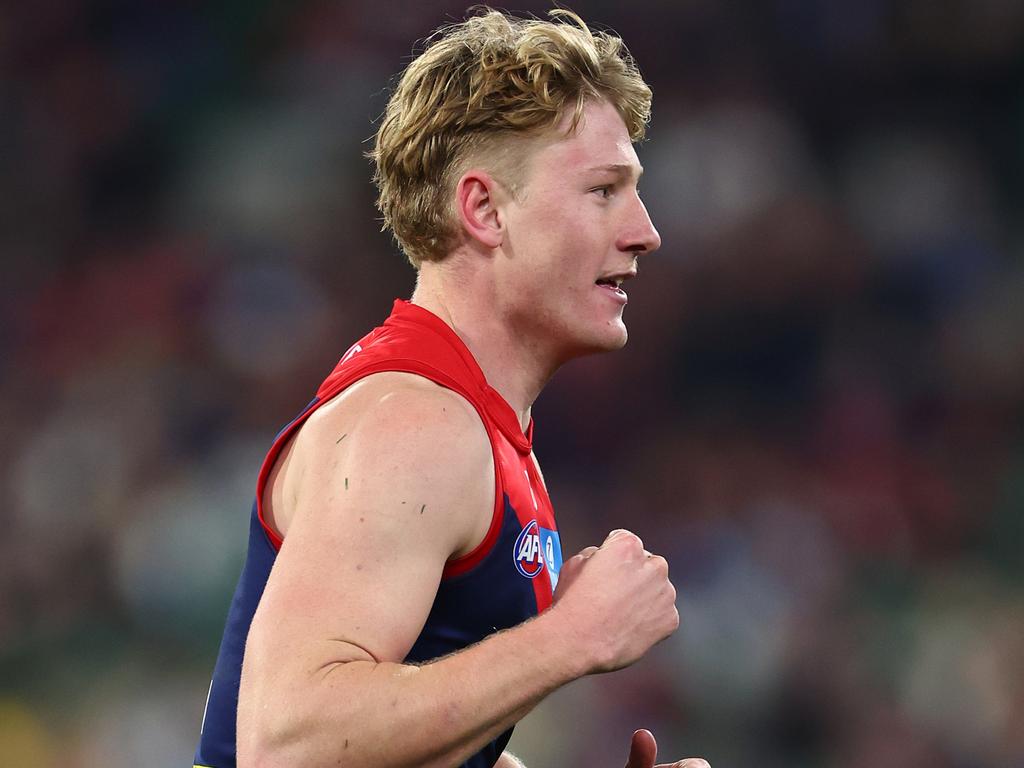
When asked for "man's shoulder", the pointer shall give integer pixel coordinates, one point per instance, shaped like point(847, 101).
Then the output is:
point(402, 400)
point(396, 437)
point(401, 414)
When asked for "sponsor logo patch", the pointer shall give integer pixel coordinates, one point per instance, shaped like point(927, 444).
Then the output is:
point(528, 554)
point(535, 549)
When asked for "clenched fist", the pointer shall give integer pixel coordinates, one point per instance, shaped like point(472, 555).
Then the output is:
point(618, 600)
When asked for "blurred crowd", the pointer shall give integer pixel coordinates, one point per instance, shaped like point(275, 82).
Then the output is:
point(819, 418)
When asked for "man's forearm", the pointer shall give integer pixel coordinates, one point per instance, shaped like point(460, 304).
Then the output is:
point(385, 714)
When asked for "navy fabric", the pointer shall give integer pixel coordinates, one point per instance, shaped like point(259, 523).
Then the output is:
point(497, 587)
point(217, 740)
point(467, 609)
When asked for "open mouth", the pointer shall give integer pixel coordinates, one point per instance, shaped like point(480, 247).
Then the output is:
point(613, 286)
point(612, 282)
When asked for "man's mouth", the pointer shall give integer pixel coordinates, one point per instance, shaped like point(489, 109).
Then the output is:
point(613, 282)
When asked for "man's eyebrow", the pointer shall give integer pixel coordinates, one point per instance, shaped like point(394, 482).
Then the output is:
point(622, 169)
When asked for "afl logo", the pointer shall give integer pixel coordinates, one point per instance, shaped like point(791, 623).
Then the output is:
point(528, 552)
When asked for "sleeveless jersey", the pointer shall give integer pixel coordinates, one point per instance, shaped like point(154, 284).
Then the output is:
point(507, 579)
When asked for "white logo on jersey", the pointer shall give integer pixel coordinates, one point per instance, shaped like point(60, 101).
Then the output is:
point(528, 553)
point(355, 348)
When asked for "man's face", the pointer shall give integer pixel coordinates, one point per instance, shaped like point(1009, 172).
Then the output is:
point(572, 235)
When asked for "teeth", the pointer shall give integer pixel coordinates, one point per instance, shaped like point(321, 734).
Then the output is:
point(613, 280)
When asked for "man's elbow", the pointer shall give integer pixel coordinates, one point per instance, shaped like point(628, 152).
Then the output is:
point(264, 754)
point(267, 735)
point(283, 734)
point(258, 748)
point(267, 748)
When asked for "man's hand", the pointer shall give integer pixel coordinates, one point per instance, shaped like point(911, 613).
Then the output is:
point(570, 570)
point(643, 750)
point(618, 601)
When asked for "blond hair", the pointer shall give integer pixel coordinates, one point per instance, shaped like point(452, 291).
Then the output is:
point(478, 83)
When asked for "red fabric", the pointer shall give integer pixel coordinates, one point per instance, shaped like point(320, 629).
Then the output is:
point(414, 340)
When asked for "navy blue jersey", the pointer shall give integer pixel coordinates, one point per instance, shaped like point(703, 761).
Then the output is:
point(507, 579)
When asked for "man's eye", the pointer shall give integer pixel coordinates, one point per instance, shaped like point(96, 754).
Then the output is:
point(604, 192)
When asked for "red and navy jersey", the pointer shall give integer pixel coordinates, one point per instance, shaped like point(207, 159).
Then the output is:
point(505, 580)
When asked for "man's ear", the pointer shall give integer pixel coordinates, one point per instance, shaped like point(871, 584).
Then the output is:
point(476, 199)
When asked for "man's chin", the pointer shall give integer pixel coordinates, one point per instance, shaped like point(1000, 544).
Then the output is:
point(618, 343)
point(617, 337)
point(612, 339)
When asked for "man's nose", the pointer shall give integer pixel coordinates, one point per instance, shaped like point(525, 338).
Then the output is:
point(640, 236)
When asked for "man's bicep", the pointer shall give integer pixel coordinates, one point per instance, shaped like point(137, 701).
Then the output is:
point(374, 523)
point(358, 588)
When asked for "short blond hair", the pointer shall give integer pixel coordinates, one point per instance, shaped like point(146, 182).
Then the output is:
point(490, 78)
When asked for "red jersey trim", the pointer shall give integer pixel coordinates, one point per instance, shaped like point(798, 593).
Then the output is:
point(542, 588)
point(454, 567)
point(500, 412)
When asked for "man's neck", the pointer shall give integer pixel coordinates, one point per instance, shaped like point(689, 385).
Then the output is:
point(513, 366)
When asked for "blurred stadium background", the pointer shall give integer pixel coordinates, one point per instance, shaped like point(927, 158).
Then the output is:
point(819, 417)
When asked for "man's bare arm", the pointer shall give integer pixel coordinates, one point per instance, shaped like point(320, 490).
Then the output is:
point(374, 516)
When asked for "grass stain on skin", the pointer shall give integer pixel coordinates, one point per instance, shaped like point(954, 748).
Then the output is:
point(341, 438)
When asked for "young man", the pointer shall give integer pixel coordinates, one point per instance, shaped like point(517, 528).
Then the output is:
point(402, 542)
